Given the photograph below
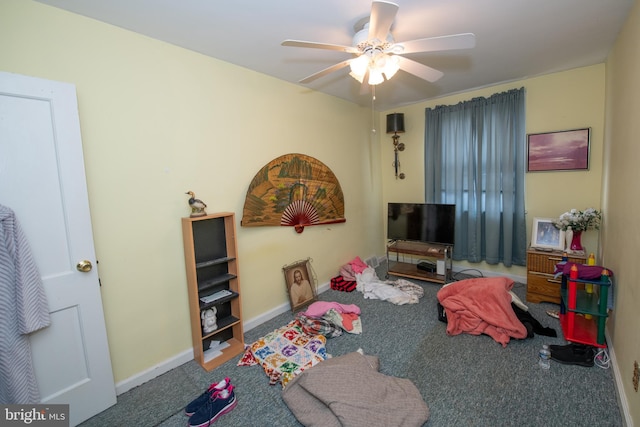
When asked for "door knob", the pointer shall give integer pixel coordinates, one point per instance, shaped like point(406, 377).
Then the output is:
point(84, 266)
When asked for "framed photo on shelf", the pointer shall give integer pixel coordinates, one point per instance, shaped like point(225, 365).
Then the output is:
point(566, 150)
point(545, 235)
point(300, 284)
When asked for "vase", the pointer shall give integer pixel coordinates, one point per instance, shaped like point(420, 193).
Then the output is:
point(576, 241)
point(568, 236)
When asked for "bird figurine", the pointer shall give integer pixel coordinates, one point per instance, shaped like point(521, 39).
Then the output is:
point(197, 205)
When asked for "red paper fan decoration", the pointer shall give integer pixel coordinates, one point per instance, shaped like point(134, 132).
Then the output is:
point(293, 190)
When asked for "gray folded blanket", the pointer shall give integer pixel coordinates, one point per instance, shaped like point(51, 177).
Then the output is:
point(349, 391)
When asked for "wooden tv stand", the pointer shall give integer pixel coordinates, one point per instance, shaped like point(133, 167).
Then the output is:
point(408, 253)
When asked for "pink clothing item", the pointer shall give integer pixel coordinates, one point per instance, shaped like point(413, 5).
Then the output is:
point(347, 272)
point(319, 308)
point(358, 265)
point(348, 319)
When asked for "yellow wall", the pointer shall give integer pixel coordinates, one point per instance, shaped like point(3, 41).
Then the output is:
point(561, 101)
point(157, 121)
point(621, 231)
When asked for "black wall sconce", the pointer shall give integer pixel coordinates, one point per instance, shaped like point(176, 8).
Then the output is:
point(395, 125)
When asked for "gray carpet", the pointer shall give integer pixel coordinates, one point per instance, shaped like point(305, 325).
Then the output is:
point(465, 380)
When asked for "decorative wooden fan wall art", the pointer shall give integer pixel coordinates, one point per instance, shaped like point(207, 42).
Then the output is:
point(293, 190)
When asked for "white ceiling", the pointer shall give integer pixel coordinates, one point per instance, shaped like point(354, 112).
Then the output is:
point(515, 39)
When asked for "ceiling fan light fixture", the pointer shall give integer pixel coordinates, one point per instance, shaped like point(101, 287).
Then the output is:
point(376, 64)
point(391, 66)
point(375, 77)
point(359, 65)
point(358, 77)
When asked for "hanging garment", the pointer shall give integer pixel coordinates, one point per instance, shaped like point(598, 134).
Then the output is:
point(23, 310)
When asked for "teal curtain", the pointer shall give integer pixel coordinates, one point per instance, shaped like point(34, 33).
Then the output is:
point(475, 154)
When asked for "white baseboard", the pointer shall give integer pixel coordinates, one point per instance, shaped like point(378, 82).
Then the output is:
point(283, 308)
point(187, 355)
point(258, 320)
point(153, 372)
point(623, 402)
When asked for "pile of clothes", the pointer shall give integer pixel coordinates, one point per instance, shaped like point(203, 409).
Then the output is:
point(357, 275)
point(330, 319)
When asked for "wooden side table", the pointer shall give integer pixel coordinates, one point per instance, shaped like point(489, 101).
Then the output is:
point(541, 265)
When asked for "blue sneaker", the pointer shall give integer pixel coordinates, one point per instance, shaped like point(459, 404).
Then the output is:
point(220, 403)
point(196, 403)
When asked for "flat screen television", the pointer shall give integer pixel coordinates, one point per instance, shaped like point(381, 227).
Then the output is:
point(422, 222)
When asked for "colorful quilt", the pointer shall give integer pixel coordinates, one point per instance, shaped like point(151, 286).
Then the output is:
point(285, 352)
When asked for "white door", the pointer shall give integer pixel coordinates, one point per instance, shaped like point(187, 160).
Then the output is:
point(42, 180)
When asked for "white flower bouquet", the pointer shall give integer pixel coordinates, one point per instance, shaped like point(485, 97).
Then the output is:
point(579, 220)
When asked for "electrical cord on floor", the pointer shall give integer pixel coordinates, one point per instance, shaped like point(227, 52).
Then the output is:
point(602, 359)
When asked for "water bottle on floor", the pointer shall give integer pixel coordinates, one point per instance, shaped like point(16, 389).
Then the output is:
point(544, 357)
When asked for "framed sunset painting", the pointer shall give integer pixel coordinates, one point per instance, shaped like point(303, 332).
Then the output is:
point(566, 150)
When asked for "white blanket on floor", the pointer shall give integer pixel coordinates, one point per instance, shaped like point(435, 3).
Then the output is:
point(373, 288)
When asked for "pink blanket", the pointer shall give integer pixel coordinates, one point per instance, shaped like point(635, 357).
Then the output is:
point(481, 306)
point(320, 308)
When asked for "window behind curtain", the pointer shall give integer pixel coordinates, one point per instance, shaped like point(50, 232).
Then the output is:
point(475, 158)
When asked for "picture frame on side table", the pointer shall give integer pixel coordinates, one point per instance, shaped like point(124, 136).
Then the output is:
point(546, 236)
point(300, 284)
point(566, 150)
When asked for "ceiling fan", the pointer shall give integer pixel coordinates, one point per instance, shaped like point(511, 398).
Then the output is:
point(377, 56)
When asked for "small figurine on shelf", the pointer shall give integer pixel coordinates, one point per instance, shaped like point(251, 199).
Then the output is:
point(209, 320)
point(197, 205)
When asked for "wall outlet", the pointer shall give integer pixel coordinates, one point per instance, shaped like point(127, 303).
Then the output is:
point(636, 375)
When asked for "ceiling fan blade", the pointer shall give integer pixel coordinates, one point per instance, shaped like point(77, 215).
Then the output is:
point(314, 45)
point(382, 15)
point(434, 44)
point(326, 71)
point(417, 69)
